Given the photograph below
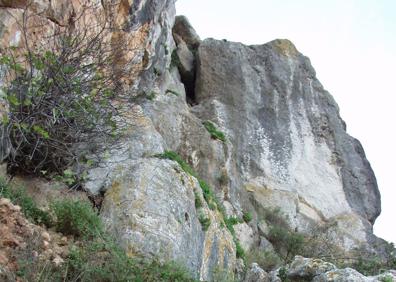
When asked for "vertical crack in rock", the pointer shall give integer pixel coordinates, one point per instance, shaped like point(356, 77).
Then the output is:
point(184, 57)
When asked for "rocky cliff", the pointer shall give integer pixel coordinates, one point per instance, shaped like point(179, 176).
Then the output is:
point(254, 130)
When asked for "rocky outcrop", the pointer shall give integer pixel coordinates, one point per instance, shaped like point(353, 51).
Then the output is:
point(151, 209)
point(284, 145)
point(315, 270)
point(287, 143)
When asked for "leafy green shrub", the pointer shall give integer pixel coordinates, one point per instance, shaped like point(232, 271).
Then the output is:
point(205, 221)
point(387, 278)
point(60, 96)
point(28, 206)
point(369, 266)
point(76, 218)
point(282, 274)
point(214, 133)
point(267, 260)
point(286, 242)
point(247, 217)
point(240, 252)
point(369, 263)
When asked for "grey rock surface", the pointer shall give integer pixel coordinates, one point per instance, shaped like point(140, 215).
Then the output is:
point(184, 29)
point(343, 275)
point(256, 274)
point(308, 268)
point(245, 235)
point(287, 143)
point(150, 210)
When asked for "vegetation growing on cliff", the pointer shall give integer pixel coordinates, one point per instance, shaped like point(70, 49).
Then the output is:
point(211, 199)
point(64, 100)
point(213, 131)
point(94, 256)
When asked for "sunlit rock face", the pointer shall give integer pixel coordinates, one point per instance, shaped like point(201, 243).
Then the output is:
point(285, 144)
point(288, 145)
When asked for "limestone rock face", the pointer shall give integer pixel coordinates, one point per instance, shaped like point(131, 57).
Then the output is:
point(285, 143)
point(288, 145)
point(150, 209)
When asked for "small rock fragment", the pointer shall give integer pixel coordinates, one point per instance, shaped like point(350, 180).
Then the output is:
point(58, 260)
point(45, 244)
point(46, 236)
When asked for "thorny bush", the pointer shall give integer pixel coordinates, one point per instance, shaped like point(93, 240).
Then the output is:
point(62, 101)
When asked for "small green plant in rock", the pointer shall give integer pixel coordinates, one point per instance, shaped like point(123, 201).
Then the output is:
point(240, 252)
point(205, 221)
point(282, 274)
point(213, 131)
point(171, 155)
point(151, 96)
point(387, 278)
point(76, 218)
point(247, 217)
point(198, 202)
point(175, 60)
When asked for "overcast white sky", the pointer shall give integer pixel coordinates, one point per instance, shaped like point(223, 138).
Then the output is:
point(352, 46)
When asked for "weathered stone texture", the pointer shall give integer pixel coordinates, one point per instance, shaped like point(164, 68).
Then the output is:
point(288, 143)
point(150, 209)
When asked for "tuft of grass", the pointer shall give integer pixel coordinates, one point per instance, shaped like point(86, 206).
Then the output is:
point(213, 131)
point(76, 218)
point(247, 217)
point(240, 252)
point(198, 202)
point(28, 206)
point(171, 155)
point(205, 221)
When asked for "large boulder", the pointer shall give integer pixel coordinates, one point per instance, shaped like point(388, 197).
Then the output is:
point(150, 209)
